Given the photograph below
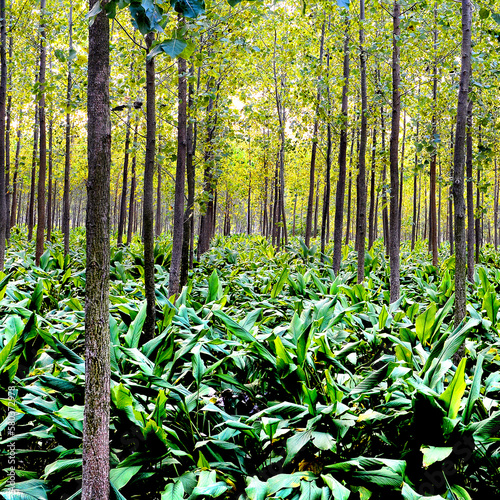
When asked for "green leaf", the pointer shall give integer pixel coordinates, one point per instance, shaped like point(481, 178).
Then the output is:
point(63, 465)
point(276, 290)
point(491, 304)
point(188, 8)
point(459, 493)
point(173, 491)
point(37, 297)
point(475, 390)
point(134, 331)
point(484, 13)
point(454, 392)
point(434, 454)
point(122, 475)
point(214, 287)
point(295, 443)
point(424, 323)
point(173, 48)
point(339, 491)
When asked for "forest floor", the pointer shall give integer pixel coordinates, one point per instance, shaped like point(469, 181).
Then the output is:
point(269, 377)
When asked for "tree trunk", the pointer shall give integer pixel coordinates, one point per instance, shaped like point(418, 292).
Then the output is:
point(123, 200)
point(3, 93)
point(313, 149)
point(361, 198)
point(95, 475)
point(131, 204)
point(158, 195)
point(371, 217)
point(7, 146)
point(478, 214)
point(14, 182)
point(148, 210)
point(470, 196)
point(67, 137)
point(175, 267)
point(414, 227)
point(316, 211)
point(394, 156)
point(401, 176)
point(42, 167)
point(385, 216)
point(249, 219)
point(495, 207)
point(458, 165)
point(206, 219)
point(326, 199)
point(50, 202)
point(187, 243)
point(339, 200)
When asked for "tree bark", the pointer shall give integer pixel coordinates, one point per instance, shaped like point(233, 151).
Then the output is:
point(313, 149)
point(123, 200)
point(95, 475)
point(158, 195)
point(361, 198)
point(458, 166)
point(339, 199)
point(175, 267)
point(148, 210)
point(371, 217)
point(470, 196)
point(7, 145)
point(67, 137)
point(394, 156)
point(326, 199)
point(131, 204)
point(187, 242)
point(42, 167)
point(13, 210)
point(3, 93)
point(50, 196)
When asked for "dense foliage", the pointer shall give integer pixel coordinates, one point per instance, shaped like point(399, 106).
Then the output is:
point(269, 377)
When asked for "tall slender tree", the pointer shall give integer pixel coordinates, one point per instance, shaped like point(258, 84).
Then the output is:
point(67, 137)
point(95, 475)
point(42, 165)
point(394, 243)
point(175, 266)
point(148, 208)
point(361, 199)
point(459, 162)
point(339, 200)
point(3, 93)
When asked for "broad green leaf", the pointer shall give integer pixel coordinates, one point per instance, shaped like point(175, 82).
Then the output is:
point(491, 304)
point(454, 392)
point(120, 476)
point(339, 491)
point(173, 491)
point(134, 331)
point(424, 323)
point(214, 287)
point(276, 290)
point(434, 454)
point(475, 390)
point(188, 8)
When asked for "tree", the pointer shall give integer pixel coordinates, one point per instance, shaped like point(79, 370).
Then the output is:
point(42, 165)
point(95, 475)
point(339, 200)
point(177, 239)
point(459, 163)
point(3, 92)
point(148, 209)
point(361, 211)
point(394, 242)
